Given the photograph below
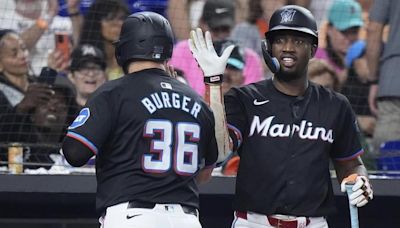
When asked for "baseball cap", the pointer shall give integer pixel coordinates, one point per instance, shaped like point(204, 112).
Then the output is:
point(219, 13)
point(236, 59)
point(344, 14)
point(87, 53)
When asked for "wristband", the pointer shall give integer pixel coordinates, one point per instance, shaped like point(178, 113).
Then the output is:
point(42, 23)
point(217, 79)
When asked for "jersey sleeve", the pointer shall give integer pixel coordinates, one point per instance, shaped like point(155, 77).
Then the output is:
point(93, 124)
point(347, 144)
point(236, 121)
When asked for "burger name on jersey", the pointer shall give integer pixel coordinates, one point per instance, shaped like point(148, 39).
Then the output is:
point(305, 130)
point(160, 100)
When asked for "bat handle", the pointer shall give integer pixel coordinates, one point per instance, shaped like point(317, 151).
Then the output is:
point(353, 209)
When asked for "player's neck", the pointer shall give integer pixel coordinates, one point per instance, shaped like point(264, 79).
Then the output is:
point(143, 65)
point(293, 88)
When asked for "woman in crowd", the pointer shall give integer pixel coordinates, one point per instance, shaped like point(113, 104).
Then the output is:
point(101, 27)
point(22, 97)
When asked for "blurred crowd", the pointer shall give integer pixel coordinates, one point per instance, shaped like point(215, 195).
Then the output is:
point(55, 53)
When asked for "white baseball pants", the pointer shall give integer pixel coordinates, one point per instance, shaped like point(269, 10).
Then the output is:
point(162, 215)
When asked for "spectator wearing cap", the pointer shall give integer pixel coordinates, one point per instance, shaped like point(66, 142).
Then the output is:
point(218, 17)
point(87, 71)
point(344, 23)
point(356, 86)
point(346, 54)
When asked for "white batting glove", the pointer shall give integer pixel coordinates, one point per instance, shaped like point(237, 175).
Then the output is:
point(362, 191)
point(203, 51)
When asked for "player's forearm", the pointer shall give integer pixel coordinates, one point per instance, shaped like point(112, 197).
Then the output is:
point(204, 175)
point(374, 47)
point(346, 168)
point(32, 35)
point(76, 28)
point(215, 100)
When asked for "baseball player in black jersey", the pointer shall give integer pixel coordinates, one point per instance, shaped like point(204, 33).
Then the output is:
point(285, 130)
point(152, 135)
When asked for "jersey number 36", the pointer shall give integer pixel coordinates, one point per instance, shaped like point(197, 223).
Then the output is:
point(183, 157)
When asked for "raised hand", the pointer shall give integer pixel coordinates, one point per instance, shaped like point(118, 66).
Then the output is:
point(36, 95)
point(203, 51)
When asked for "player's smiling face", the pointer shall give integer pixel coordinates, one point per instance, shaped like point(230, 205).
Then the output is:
point(293, 51)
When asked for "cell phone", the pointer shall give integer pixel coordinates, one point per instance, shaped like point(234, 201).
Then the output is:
point(47, 76)
point(63, 45)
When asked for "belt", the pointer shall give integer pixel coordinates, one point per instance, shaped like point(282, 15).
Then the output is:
point(136, 204)
point(278, 223)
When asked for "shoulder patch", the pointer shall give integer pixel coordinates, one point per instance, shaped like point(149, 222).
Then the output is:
point(83, 116)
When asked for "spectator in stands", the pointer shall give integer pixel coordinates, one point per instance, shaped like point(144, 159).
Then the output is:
point(219, 23)
point(247, 33)
point(356, 86)
point(345, 20)
point(101, 27)
point(20, 94)
point(87, 71)
point(250, 32)
point(49, 124)
point(320, 72)
point(384, 96)
point(185, 15)
point(37, 22)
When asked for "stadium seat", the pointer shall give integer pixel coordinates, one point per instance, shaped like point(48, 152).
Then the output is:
point(389, 159)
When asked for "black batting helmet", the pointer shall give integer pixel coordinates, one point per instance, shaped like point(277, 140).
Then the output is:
point(144, 36)
point(295, 18)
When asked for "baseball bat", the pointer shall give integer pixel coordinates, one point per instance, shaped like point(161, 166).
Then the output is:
point(351, 180)
point(353, 209)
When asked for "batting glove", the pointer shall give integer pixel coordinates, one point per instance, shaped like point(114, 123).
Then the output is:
point(203, 51)
point(362, 191)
